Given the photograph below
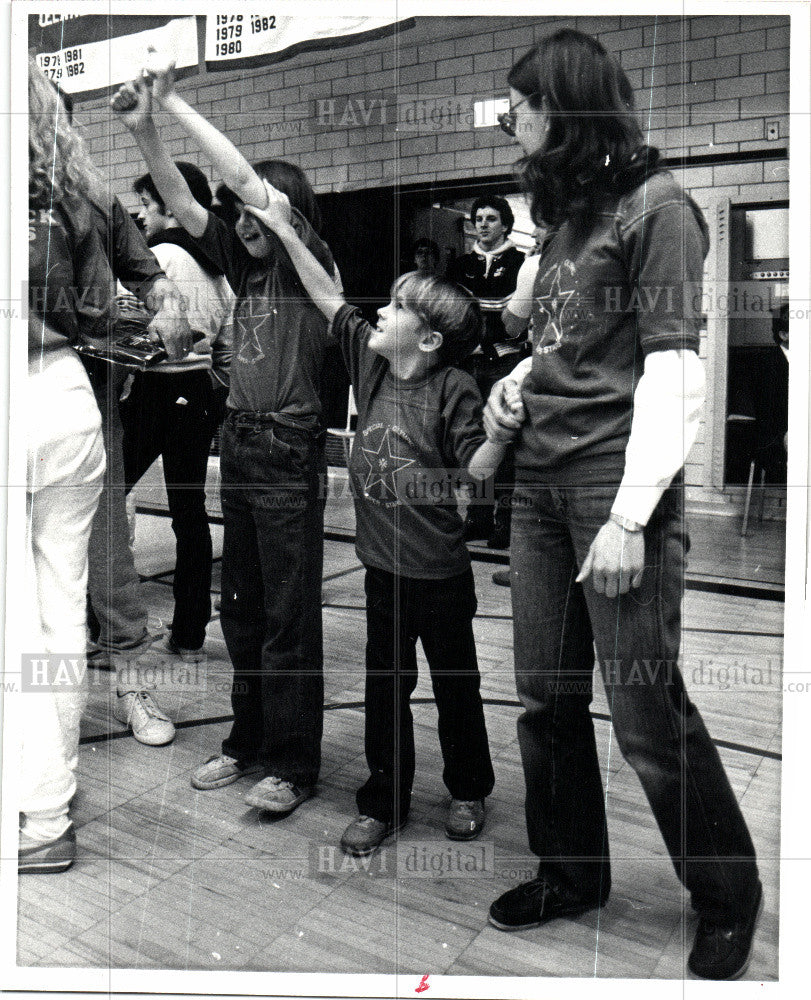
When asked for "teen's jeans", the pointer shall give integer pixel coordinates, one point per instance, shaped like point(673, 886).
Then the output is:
point(400, 610)
point(659, 731)
point(116, 592)
point(174, 415)
point(273, 480)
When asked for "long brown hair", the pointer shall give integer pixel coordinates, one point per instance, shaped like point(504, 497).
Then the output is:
point(291, 179)
point(594, 144)
point(59, 166)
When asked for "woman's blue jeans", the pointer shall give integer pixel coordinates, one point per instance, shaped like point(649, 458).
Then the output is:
point(273, 480)
point(558, 623)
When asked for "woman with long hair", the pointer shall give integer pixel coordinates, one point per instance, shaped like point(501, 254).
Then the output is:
point(612, 393)
point(80, 239)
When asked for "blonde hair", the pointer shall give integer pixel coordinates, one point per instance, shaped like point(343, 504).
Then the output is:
point(59, 166)
point(445, 307)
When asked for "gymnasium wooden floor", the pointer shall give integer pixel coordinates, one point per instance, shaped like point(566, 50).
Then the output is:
point(172, 878)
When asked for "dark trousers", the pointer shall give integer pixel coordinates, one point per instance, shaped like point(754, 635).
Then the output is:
point(273, 547)
point(117, 611)
point(175, 415)
point(659, 731)
point(400, 610)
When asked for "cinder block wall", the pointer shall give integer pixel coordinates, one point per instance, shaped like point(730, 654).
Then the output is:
point(704, 85)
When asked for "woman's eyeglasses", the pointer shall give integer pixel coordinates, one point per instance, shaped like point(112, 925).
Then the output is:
point(508, 119)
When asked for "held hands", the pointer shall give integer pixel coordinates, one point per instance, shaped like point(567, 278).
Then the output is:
point(159, 73)
point(504, 412)
point(133, 102)
point(278, 213)
point(616, 560)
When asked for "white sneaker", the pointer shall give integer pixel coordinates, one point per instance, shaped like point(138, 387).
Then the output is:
point(149, 724)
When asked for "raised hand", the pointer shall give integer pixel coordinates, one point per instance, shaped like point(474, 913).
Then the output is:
point(133, 103)
point(278, 213)
point(159, 73)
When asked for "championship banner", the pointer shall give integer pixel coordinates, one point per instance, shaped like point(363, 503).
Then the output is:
point(91, 53)
point(239, 41)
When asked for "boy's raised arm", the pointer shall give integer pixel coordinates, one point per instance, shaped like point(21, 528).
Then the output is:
point(229, 164)
point(133, 102)
point(320, 286)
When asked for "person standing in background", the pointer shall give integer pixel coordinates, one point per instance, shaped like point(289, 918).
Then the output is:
point(173, 410)
point(490, 272)
point(116, 606)
point(517, 320)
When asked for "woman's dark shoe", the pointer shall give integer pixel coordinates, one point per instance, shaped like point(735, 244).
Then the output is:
point(534, 903)
point(723, 952)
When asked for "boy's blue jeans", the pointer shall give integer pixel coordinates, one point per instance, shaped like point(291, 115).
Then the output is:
point(273, 547)
point(659, 731)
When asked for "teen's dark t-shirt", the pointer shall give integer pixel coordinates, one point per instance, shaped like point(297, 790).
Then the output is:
point(415, 438)
point(602, 301)
point(280, 336)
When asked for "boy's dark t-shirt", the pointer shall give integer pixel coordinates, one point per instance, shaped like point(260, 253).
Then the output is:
point(279, 335)
point(414, 442)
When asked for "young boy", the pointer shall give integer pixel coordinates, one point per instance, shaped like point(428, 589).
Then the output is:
point(272, 464)
point(419, 432)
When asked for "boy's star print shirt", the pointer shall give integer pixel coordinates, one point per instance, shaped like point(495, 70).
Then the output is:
point(603, 299)
point(412, 448)
point(279, 335)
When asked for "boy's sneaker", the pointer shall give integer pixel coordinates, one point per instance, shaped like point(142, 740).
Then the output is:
point(221, 770)
point(465, 819)
point(723, 952)
point(48, 858)
point(275, 795)
point(139, 710)
point(365, 834)
point(187, 655)
point(534, 903)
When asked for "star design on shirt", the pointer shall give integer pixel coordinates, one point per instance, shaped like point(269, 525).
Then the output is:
point(249, 326)
point(554, 305)
point(383, 464)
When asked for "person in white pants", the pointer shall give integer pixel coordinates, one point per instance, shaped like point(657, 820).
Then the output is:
point(65, 468)
point(66, 459)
